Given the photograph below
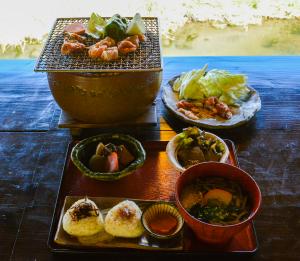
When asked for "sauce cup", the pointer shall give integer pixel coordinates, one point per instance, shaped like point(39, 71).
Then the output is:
point(164, 217)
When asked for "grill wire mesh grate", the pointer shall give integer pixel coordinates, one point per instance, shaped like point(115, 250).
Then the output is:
point(146, 58)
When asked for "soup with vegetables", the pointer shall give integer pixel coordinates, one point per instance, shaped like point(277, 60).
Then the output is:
point(216, 200)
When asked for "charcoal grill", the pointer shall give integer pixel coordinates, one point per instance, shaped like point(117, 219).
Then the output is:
point(94, 91)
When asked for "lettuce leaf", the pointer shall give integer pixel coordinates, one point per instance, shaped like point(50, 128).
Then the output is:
point(96, 26)
point(184, 76)
point(229, 88)
point(188, 83)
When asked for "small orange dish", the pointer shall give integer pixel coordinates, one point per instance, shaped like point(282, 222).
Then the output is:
point(163, 224)
point(162, 220)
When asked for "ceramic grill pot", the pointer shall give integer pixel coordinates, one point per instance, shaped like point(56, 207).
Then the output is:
point(94, 91)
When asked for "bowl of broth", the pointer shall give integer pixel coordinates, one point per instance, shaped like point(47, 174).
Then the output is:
point(217, 200)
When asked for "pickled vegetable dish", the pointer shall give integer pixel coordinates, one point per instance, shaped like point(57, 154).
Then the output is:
point(195, 147)
point(216, 200)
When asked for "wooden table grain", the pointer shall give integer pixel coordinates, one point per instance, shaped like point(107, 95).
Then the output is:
point(32, 151)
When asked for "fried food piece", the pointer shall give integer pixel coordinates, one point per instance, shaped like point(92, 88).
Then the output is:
point(108, 41)
point(218, 194)
point(129, 44)
point(217, 107)
point(126, 46)
point(77, 28)
point(71, 46)
point(223, 110)
point(212, 105)
point(133, 39)
point(190, 198)
point(95, 51)
point(110, 54)
point(76, 37)
point(142, 37)
point(184, 104)
point(188, 114)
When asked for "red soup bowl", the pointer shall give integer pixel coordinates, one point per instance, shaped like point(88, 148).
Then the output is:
point(211, 233)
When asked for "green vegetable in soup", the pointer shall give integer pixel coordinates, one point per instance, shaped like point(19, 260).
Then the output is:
point(116, 27)
point(227, 203)
point(217, 213)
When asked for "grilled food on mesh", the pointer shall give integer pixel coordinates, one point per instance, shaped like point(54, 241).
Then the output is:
point(108, 49)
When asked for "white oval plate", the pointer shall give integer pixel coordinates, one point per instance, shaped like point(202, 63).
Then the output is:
point(246, 111)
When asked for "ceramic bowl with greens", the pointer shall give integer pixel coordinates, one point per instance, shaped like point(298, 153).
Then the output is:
point(194, 146)
point(108, 156)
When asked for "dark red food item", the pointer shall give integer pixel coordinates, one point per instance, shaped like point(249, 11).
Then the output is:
point(112, 162)
point(125, 156)
point(77, 28)
point(163, 224)
point(75, 37)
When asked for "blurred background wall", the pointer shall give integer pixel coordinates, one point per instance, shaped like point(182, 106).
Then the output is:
point(188, 27)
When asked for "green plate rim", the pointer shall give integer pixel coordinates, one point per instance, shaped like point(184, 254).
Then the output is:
point(137, 163)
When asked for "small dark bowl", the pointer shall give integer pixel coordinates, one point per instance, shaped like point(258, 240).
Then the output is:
point(83, 151)
point(210, 233)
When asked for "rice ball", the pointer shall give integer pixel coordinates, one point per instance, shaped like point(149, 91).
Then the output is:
point(124, 220)
point(83, 219)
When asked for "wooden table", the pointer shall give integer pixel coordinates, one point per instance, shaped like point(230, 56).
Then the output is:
point(32, 152)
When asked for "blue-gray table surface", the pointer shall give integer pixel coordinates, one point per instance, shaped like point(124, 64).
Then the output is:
point(32, 152)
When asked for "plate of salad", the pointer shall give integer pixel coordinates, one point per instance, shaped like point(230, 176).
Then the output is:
point(214, 99)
